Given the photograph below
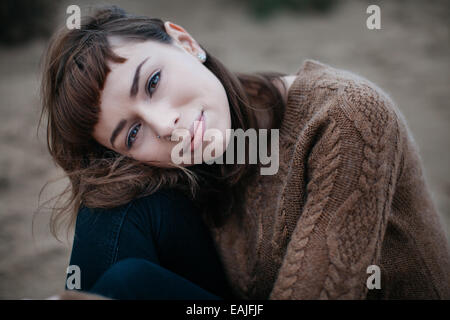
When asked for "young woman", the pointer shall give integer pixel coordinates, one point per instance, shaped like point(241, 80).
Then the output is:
point(346, 214)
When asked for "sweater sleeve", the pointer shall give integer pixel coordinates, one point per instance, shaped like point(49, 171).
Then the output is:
point(351, 172)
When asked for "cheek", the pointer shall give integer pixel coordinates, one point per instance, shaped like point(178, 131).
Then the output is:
point(223, 108)
point(214, 91)
point(185, 81)
point(218, 116)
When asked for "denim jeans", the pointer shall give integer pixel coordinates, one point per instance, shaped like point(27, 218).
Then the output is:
point(155, 247)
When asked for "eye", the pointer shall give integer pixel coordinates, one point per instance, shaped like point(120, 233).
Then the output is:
point(131, 137)
point(153, 82)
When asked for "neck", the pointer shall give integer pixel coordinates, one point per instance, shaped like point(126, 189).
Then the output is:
point(268, 114)
point(284, 90)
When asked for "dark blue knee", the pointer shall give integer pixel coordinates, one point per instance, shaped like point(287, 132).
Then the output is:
point(135, 278)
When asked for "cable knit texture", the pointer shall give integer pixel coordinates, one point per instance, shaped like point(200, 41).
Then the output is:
point(350, 193)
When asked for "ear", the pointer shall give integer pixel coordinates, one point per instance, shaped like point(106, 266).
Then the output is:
point(182, 38)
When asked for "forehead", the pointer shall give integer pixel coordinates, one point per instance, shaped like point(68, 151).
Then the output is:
point(134, 51)
point(122, 45)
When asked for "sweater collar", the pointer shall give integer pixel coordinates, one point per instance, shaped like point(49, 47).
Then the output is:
point(297, 100)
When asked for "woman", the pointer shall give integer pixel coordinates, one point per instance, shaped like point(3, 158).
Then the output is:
point(348, 199)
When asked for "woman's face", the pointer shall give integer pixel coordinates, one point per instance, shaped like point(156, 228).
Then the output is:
point(160, 88)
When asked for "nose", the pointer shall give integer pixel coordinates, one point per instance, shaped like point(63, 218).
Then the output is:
point(162, 118)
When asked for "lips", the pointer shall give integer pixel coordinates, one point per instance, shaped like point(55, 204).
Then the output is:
point(189, 145)
point(195, 124)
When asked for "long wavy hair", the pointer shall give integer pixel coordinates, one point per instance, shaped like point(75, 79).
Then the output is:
point(74, 69)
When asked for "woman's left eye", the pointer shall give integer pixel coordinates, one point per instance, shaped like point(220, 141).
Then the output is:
point(153, 82)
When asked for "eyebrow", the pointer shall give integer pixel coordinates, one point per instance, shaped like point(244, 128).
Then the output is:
point(135, 85)
point(117, 130)
point(133, 92)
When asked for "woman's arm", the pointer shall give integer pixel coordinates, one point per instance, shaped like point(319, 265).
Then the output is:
point(351, 177)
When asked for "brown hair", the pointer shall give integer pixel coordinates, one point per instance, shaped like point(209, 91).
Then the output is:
point(74, 72)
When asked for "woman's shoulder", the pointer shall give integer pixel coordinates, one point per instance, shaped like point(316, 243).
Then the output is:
point(326, 90)
point(343, 83)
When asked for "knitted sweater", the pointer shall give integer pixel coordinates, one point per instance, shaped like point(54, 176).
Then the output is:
point(350, 193)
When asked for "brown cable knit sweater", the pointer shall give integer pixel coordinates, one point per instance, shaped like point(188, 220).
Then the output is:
point(349, 193)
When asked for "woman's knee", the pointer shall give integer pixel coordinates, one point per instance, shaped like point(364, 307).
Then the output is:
point(126, 271)
point(135, 278)
point(121, 280)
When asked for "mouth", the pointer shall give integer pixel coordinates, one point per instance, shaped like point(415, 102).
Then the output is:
point(194, 125)
point(197, 130)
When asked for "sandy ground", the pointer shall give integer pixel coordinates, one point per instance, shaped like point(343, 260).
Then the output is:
point(408, 57)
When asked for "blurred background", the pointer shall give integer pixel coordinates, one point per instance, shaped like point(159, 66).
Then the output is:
point(408, 58)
